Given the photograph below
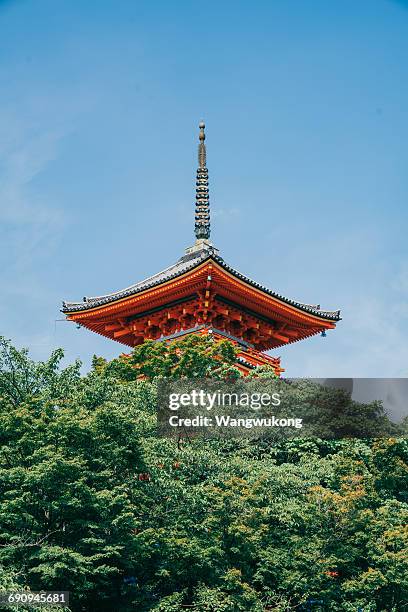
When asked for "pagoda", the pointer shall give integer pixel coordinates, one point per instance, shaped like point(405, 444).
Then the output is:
point(202, 294)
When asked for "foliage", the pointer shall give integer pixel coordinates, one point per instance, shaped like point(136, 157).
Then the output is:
point(190, 357)
point(93, 502)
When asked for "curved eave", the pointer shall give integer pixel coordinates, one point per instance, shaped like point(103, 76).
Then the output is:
point(331, 315)
point(95, 305)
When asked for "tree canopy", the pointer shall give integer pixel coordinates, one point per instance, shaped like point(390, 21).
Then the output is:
point(95, 503)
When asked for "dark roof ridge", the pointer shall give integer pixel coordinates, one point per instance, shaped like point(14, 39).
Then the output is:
point(186, 263)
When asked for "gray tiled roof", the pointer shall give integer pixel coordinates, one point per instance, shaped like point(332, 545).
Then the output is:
point(182, 265)
point(185, 263)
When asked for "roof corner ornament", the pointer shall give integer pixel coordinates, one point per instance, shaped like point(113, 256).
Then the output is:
point(202, 207)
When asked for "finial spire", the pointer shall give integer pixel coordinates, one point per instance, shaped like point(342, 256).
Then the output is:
point(202, 208)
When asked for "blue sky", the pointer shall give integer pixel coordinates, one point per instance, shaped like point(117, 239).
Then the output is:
point(306, 111)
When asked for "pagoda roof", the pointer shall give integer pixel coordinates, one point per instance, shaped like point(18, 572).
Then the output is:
point(187, 263)
point(201, 293)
